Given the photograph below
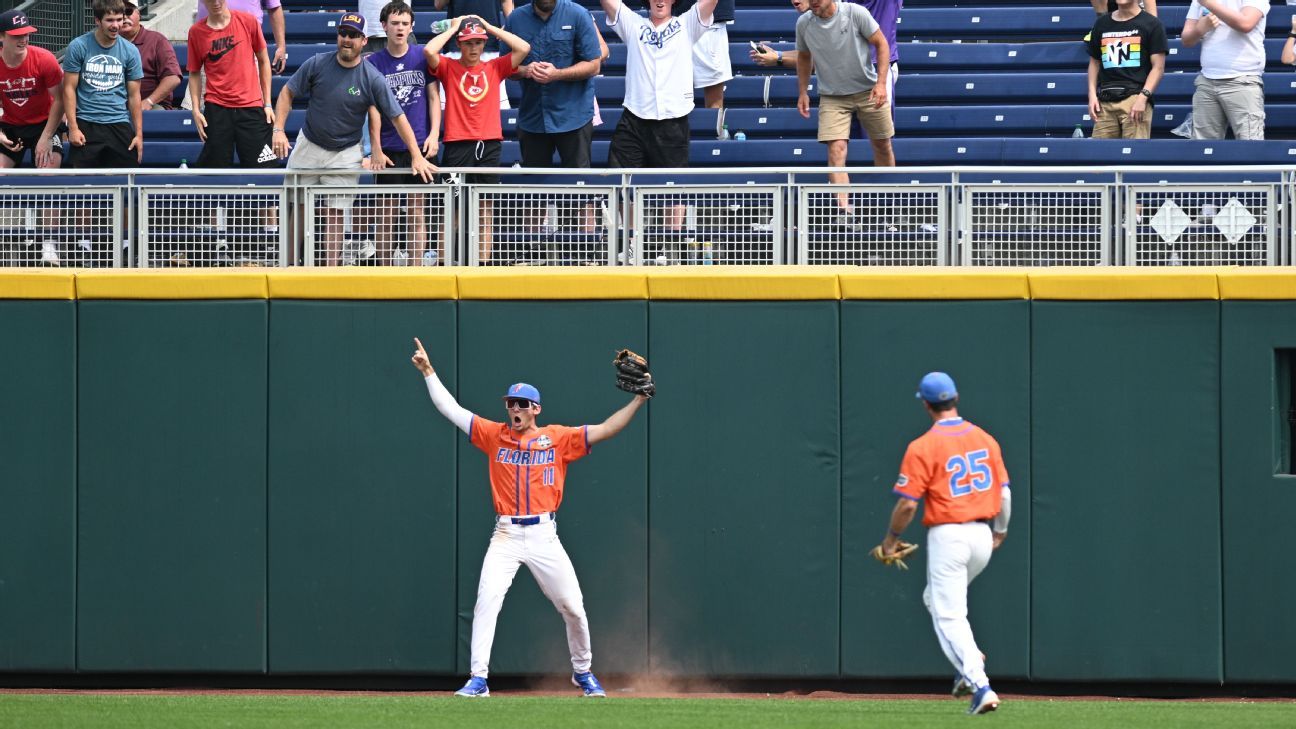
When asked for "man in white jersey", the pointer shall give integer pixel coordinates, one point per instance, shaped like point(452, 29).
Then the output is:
point(1229, 92)
point(654, 130)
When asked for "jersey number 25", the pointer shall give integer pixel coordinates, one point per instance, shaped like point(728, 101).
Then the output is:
point(968, 471)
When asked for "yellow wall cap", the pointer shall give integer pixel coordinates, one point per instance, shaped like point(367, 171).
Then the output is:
point(1123, 284)
point(935, 283)
point(129, 283)
point(349, 283)
point(536, 284)
point(37, 284)
point(1258, 283)
point(743, 283)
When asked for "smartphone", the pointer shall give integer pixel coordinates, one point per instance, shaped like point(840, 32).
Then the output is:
point(756, 46)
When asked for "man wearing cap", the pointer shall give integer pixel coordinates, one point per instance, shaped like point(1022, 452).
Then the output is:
point(158, 58)
point(341, 88)
point(959, 469)
point(494, 12)
point(528, 467)
point(32, 109)
point(101, 93)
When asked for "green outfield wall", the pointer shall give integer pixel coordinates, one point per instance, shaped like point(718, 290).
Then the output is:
point(241, 473)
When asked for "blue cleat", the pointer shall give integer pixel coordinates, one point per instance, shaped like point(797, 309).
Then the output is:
point(984, 701)
point(587, 683)
point(961, 688)
point(475, 687)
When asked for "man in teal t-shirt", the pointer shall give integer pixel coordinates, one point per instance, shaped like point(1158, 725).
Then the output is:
point(101, 93)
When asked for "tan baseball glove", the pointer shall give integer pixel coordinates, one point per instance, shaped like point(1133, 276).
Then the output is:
point(902, 550)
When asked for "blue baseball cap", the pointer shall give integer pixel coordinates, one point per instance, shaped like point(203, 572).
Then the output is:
point(522, 391)
point(936, 387)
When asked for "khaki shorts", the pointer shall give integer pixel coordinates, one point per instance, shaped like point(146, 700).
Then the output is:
point(1115, 121)
point(835, 114)
point(310, 156)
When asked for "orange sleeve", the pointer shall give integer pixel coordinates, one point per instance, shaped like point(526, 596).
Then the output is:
point(573, 443)
point(484, 434)
point(912, 482)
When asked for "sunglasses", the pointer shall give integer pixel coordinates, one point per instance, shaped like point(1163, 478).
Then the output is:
point(518, 403)
point(348, 33)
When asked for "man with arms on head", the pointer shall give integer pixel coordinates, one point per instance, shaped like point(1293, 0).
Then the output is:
point(838, 40)
point(1229, 92)
point(473, 130)
point(235, 110)
point(528, 468)
point(341, 88)
point(959, 469)
point(158, 59)
point(101, 98)
point(32, 106)
point(493, 12)
point(405, 69)
point(1127, 52)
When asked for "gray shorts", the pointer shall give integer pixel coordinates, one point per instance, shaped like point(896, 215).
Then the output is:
point(306, 155)
point(1228, 102)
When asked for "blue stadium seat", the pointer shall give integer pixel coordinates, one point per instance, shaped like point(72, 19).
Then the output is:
point(178, 126)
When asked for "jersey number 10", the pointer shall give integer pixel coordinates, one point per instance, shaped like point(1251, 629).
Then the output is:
point(968, 471)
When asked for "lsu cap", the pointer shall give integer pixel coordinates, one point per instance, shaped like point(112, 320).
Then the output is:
point(353, 21)
point(523, 391)
point(936, 387)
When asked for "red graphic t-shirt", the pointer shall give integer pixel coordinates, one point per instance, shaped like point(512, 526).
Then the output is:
point(472, 98)
point(24, 91)
point(229, 56)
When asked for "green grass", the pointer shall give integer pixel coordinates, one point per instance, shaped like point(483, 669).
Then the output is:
point(392, 711)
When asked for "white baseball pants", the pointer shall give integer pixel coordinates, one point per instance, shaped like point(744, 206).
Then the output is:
point(956, 554)
point(537, 547)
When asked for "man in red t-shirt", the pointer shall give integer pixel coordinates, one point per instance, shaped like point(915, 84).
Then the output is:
point(473, 131)
point(238, 111)
point(32, 106)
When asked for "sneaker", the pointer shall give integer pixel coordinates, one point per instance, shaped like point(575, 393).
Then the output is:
point(984, 701)
point(49, 254)
point(367, 250)
point(400, 257)
point(587, 683)
point(961, 688)
point(475, 688)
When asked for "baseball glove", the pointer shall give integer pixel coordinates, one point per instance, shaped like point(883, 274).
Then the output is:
point(633, 375)
point(902, 550)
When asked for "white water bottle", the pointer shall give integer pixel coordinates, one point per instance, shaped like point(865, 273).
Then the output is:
point(1078, 133)
point(184, 164)
point(724, 132)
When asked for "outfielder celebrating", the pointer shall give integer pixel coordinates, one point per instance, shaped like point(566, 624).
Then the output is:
point(528, 467)
point(960, 469)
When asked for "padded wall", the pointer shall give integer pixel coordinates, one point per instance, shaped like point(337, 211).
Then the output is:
point(171, 450)
point(565, 349)
point(38, 488)
point(889, 346)
point(744, 481)
point(361, 489)
point(1125, 430)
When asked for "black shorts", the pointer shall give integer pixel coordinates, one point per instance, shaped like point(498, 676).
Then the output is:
point(106, 145)
point(399, 158)
point(29, 135)
point(473, 154)
point(573, 147)
point(229, 129)
point(649, 142)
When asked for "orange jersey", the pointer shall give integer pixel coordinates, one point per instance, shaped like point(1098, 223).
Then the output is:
point(960, 470)
point(527, 474)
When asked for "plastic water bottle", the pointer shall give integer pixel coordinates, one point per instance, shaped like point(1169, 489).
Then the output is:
point(430, 257)
point(440, 27)
point(184, 164)
point(724, 132)
point(707, 253)
point(1078, 133)
point(740, 136)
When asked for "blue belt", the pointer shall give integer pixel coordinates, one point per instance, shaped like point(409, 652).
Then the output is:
point(532, 520)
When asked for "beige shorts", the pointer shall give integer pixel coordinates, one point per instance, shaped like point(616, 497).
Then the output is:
point(1115, 121)
point(306, 155)
point(835, 114)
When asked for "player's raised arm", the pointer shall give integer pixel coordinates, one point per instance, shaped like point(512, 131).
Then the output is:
point(616, 422)
point(441, 397)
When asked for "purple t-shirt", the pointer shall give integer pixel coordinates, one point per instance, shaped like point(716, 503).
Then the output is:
point(407, 77)
point(886, 12)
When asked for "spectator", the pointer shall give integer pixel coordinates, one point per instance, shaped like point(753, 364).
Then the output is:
point(834, 38)
point(376, 36)
point(556, 111)
point(234, 112)
point(473, 130)
point(711, 65)
point(101, 99)
point(1288, 55)
point(1127, 52)
point(1102, 7)
point(158, 58)
point(495, 12)
point(259, 9)
point(1229, 91)
point(341, 88)
point(31, 107)
point(654, 129)
point(406, 71)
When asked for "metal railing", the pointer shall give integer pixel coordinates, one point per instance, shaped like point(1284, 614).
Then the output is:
point(754, 216)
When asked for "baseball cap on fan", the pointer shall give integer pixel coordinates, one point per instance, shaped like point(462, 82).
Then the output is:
point(522, 391)
point(936, 387)
point(472, 29)
point(352, 21)
point(14, 22)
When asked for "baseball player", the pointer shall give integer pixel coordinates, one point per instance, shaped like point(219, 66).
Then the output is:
point(528, 467)
point(960, 470)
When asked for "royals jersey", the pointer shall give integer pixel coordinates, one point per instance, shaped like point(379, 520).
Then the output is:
point(959, 468)
point(527, 474)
